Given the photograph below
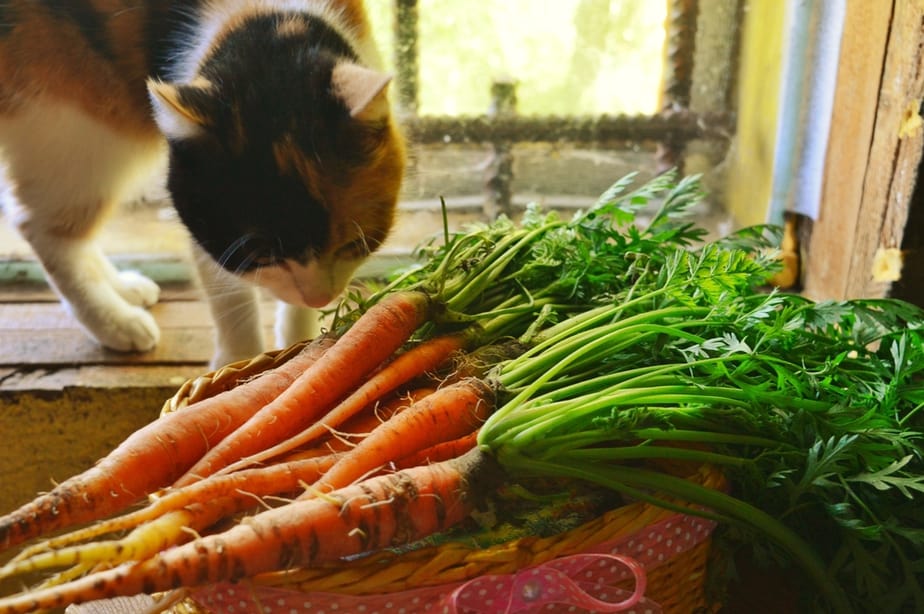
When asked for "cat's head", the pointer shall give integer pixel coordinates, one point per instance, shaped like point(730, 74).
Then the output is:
point(285, 163)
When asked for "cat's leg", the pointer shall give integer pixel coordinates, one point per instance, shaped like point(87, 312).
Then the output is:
point(235, 311)
point(66, 171)
point(294, 324)
point(78, 272)
point(132, 286)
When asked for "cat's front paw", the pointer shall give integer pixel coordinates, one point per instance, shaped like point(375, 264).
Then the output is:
point(137, 289)
point(130, 330)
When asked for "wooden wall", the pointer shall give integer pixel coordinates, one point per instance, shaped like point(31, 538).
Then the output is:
point(855, 248)
point(751, 157)
point(873, 153)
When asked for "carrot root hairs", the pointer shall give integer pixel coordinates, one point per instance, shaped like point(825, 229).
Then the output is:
point(408, 365)
point(170, 519)
point(448, 413)
point(372, 339)
point(401, 507)
point(153, 456)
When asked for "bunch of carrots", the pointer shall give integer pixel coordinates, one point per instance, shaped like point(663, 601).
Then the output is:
point(571, 349)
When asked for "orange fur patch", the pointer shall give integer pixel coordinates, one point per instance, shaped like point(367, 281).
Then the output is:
point(362, 209)
point(48, 57)
point(291, 26)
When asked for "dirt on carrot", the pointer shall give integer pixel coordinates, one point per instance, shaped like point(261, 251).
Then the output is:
point(154, 456)
point(408, 365)
point(172, 518)
point(384, 511)
point(369, 342)
point(448, 413)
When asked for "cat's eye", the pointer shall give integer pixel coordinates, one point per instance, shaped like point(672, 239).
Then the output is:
point(354, 249)
point(265, 260)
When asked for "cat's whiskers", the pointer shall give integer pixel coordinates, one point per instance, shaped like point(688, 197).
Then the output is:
point(237, 244)
point(244, 266)
point(361, 237)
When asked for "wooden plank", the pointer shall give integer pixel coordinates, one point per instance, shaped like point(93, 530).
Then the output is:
point(42, 293)
point(102, 377)
point(896, 155)
point(834, 234)
point(162, 268)
point(72, 347)
point(45, 334)
point(53, 316)
point(865, 222)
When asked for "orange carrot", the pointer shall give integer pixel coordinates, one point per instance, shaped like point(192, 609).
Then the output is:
point(448, 413)
point(413, 363)
point(359, 426)
point(371, 340)
point(385, 511)
point(153, 456)
point(277, 479)
point(439, 452)
point(170, 520)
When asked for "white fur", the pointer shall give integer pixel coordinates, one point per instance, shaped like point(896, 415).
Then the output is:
point(215, 16)
point(66, 171)
point(172, 123)
point(235, 309)
point(315, 284)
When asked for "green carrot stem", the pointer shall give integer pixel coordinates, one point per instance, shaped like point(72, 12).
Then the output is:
point(595, 347)
point(649, 375)
point(553, 445)
point(490, 268)
point(622, 453)
point(575, 353)
point(522, 422)
point(575, 331)
point(704, 437)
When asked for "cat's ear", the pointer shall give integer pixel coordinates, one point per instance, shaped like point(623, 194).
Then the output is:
point(180, 110)
point(363, 90)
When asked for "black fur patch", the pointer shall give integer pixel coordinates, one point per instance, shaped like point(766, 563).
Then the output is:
point(91, 23)
point(227, 187)
point(165, 24)
point(7, 19)
point(254, 60)
point(240, 209)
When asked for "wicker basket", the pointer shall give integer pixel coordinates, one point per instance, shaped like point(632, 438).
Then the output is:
point(676, 584)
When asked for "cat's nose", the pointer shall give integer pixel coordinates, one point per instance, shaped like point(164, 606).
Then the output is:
point(317, 299)
point(303, 296)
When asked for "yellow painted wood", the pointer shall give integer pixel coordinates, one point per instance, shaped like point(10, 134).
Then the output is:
point(750, 165)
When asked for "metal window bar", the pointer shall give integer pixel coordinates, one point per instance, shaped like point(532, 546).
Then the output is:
point(673, 128)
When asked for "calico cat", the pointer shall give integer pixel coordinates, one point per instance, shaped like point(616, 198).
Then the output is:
point(284, 161)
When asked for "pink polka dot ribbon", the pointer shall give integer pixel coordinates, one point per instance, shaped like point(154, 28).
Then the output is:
point(555, 582)
point(583, 582)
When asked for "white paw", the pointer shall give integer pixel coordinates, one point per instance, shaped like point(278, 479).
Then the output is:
point(137, 289)
point(129, 330)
